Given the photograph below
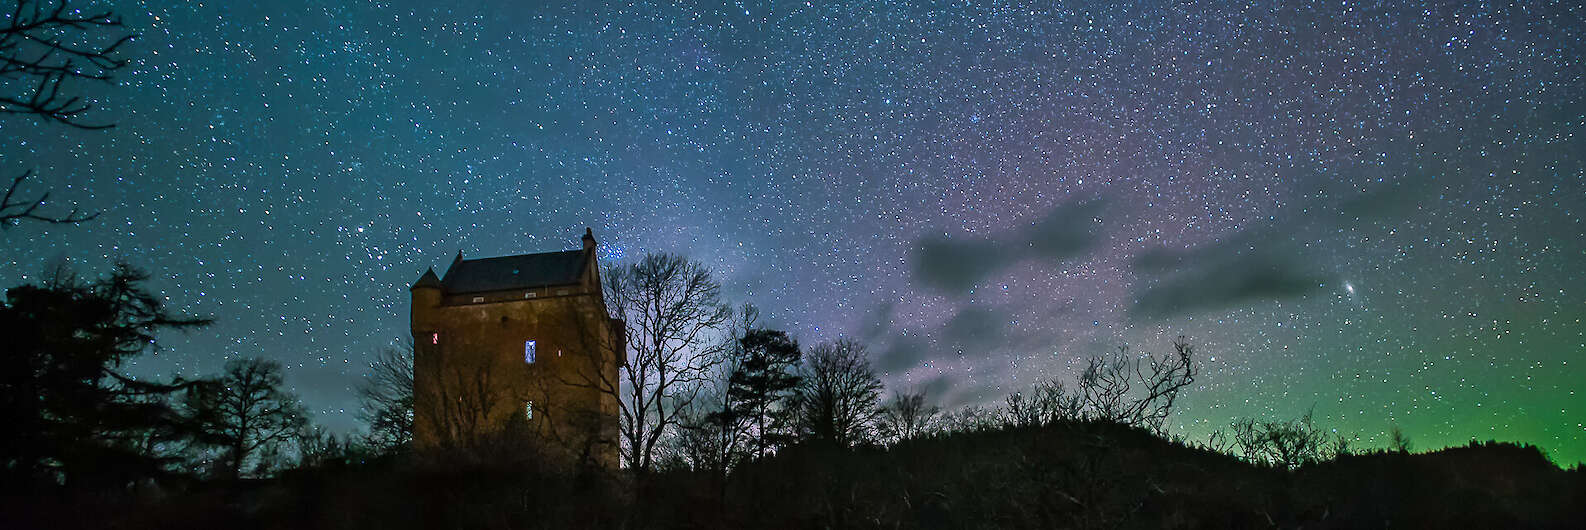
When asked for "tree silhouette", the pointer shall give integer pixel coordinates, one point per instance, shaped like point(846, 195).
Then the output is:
point(1398, 441)
point(463, 409)
point(907, 416)
point(1137, 390)
point(714, 434)
point(1284, 444)
point(386, 396)
point(72, 417)
point(762, 383)
point(1048, 402)
point(318, 447)
point(43, 45)
point(245, 412)
point(671, 306)
point(838, 394)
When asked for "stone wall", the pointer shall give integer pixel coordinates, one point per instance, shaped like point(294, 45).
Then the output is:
point(471, 377)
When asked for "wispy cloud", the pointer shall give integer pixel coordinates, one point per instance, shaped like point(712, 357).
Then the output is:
point(956, 265)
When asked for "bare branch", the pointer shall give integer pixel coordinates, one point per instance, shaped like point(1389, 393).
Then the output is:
point(41, 47)
point(671, 309)
point(14, 210)
point(906, 417)
point(838, 395)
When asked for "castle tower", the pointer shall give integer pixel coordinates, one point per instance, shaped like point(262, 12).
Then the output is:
point(517, 346)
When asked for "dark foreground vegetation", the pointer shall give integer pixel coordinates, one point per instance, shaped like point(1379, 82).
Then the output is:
point(771, 435)
point(1065, 475)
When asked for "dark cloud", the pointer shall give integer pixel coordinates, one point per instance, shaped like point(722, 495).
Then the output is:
point(937, 388)
point(1253, 265)
point(1227, 284)
point(1251, 246)
point(1256, 264)
point(1391, 199)
point(976, 329)
point(1158, 260)
point(955, 266)
point(1265, 262)
point(1066, 232)
point(878, 322)
point(904, 353)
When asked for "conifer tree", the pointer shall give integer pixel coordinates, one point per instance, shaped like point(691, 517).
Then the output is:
point(762, 383)
point(72, 416)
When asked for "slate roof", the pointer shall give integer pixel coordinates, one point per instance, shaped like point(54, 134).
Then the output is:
point(429, 279)
point(514, 272)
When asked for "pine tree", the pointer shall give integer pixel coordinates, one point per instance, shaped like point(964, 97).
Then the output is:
point(762, 383)
point(72, 417)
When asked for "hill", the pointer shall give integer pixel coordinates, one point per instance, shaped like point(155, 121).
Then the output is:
point(1067, 475)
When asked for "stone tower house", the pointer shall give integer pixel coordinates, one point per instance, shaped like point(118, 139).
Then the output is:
point(517, 346)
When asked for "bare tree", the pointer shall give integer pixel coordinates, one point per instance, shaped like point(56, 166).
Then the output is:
point(1218, 441)
point(1047, 403)
point(462, 409)
point(971, 418)
point(318, 447)
point(1135, 390)
point(907, 416)
point(245, 412)
point(1285, 444)
point(838, 394)
point(1398, 442)
point(14, 210)
point(671, 307)
point(705, 439)
point(386, 396)
point(714, 434)
point(43, 45)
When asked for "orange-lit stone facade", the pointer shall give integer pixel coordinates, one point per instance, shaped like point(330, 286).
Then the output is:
point(518, 360)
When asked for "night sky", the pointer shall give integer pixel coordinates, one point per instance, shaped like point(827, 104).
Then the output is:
point(1372, 212)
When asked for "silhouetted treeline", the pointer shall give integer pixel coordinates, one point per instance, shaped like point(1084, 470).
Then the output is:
point(1069, 474)
point(78, 422)
point(772, 435)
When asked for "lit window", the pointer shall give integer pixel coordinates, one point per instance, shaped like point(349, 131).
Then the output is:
point(435, 338)
point(528, 410)
point(528, 351)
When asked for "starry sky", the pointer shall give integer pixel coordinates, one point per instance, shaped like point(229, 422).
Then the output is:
point(1372, 212)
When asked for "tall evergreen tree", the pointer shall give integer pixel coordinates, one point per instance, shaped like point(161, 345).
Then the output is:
point(72, 416)
point(761, 384)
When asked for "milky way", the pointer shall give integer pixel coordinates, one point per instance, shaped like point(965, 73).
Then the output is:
point(1373, 213)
